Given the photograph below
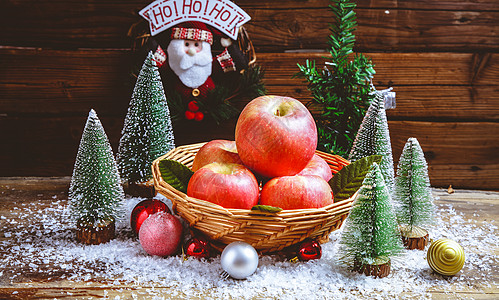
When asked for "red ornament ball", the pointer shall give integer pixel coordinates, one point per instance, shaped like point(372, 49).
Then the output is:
point(198, 116)
point(309, 249)
point(143, 210)
point(198, 247)
point(189, 115)
point(160, 234)
point(193, 106)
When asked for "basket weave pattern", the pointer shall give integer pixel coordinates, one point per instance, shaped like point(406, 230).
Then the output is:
point(266, 232)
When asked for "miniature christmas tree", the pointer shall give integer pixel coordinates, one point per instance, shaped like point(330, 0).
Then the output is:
point(412, 196)
point(370, 234)
point(341, 89)
point(147, 132)
point(373, 138)
point(95, 192)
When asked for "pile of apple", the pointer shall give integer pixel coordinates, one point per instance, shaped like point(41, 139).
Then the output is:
point(275, 139)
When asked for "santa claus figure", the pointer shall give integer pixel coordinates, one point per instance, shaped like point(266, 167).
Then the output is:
point(189, 65)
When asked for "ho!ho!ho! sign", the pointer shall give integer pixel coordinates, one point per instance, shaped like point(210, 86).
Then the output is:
point(221, 14)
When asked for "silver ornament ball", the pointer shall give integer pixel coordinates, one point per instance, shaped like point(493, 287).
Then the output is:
point(239, 260)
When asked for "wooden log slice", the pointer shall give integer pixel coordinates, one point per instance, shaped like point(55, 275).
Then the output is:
point(379, 270)
point(414, 237)
point(141, 189)
point(91, 235)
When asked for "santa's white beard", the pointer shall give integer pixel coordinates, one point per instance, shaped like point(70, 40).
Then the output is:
point(191, 70)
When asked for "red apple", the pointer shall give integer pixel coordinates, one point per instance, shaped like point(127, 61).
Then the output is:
point(296, 192)
point(216, 151)
point(317, 166)
point(228, 185)
point(276, 136)
point(160, 234)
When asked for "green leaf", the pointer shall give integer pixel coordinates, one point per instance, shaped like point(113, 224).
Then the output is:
point(349, 179)
point(175, 174)
point(267, 208)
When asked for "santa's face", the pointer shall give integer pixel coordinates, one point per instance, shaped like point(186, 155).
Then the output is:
point(190, 60)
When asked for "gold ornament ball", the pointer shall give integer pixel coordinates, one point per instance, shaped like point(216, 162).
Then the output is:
point(445, 257)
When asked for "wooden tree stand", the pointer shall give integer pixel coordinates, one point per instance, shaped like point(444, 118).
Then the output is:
point(141, 189)
point(90, 235)
point(379, 270)
point(414, 237)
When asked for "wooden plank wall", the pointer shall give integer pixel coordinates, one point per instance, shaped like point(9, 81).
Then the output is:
point(58, 59)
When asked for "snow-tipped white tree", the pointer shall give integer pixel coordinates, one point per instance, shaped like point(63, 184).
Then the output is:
point(95, 191)
point(370, 234)
point(412, 192)
point(147, 132)
point(373, 138)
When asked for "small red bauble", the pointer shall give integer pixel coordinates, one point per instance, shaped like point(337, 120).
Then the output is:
point(198, 116)
point(143, 210)
point(309, 249)
point(198, 247)
point(189, 115)
point(193, 106)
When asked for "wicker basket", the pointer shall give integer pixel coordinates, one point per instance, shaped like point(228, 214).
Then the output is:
point(267, 232)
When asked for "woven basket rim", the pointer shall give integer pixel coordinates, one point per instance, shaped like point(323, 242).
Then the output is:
point(158, 180)
point(267, 232)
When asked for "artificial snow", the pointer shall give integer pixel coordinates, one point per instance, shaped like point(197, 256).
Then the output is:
point(47, 248)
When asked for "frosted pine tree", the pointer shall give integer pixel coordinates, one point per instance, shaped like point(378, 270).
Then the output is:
point(412, 193)
point(95, 191)
point(373, 138)
point(370, 235)
point(147, 132)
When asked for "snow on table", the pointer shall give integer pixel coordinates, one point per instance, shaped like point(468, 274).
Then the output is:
point(39, 257)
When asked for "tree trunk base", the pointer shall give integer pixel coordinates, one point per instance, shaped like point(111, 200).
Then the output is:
point(417, 238)
point(141, 189)
point(90, 235)
point(378, 271)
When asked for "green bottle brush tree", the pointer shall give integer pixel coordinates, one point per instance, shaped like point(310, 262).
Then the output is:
point(370, 234)
point(373, 138)
point(412, 196)
point(95, 192)
point(147, 132)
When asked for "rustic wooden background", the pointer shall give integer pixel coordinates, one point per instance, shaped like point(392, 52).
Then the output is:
point(58, 59)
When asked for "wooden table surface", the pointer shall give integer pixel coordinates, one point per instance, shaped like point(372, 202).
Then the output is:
point(478, 207)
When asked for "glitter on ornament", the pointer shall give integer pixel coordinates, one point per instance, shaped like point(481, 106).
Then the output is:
point(160, 234)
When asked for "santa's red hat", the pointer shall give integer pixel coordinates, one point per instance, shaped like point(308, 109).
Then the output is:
point(194, 30)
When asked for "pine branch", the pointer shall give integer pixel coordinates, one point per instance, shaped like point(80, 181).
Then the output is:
point(342, 86)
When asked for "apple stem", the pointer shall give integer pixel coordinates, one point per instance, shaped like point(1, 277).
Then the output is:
point(278, 113)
